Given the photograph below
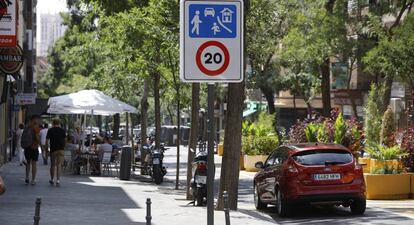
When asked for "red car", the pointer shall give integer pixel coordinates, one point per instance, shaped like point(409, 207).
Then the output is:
point(311, 173)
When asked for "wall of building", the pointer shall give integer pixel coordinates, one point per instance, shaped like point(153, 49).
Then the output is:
point(51, 29)
point(23, 80)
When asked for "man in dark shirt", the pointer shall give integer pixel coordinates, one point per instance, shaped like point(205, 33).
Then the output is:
point(56, 135)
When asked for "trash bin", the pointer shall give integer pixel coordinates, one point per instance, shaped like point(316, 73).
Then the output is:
point(125, 167)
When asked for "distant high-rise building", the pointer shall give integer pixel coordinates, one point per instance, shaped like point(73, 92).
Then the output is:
point(51, 29)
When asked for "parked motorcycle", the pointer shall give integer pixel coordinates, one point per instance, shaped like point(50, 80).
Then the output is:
point(154, 164)
point(199, 181)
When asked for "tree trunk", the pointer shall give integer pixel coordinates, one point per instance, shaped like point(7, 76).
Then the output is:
point(309, 107)
point(326, 87)
point(229, 177)
point(144, 115)
point(195, 108)
point(295, 110)
point(351, 96)
point(354, 107)
point(325, 72)
point(170, 115)
point(117, 122)
point(270, 98)
point(157, 109)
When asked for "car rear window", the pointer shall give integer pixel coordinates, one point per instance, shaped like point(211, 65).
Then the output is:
point(323, 157)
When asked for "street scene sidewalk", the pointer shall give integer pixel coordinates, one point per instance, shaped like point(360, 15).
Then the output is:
point(108, 200)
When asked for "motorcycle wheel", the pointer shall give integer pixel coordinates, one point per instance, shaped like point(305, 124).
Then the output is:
point(199, 197)
point(157, 175)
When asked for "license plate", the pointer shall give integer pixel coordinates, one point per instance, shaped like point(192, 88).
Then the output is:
point(156, 161)
point(201, 179)
point(328, 176)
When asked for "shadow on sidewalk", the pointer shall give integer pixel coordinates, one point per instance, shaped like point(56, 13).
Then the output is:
point(79, 200)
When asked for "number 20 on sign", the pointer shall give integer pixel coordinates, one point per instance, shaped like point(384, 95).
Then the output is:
point(211, 48)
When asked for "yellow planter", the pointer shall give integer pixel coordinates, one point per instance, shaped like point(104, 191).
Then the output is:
point(241, 162)
point(220, 149)
point(388, 186)
point(366, 164)
point(412, 185)
point(251, 160)
point(376, 164)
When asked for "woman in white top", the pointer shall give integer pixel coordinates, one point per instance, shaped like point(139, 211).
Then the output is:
point(20, 150)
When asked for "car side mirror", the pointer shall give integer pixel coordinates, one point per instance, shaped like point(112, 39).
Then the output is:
point(259, 165)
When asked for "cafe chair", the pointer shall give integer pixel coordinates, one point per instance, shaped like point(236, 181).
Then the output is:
point(68, 162)
point(106, 163)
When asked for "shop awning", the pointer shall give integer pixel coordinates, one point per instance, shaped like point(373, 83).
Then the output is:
point(248, 112)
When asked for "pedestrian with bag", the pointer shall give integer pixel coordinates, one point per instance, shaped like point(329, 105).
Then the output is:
point(30, 142)
point(57, 137)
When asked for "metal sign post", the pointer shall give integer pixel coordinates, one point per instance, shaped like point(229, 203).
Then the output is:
point(211, 51)
point(210, 155)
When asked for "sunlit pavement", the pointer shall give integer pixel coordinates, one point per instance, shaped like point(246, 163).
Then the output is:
point(107, 200)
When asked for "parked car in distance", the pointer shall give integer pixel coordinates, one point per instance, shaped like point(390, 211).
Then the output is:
point(310, 173)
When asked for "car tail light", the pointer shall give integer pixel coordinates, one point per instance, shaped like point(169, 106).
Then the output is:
point(201, 166)
point(292, 171)
point(348, 178)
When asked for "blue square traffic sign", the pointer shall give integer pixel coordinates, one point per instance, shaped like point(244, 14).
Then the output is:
point(211, 41)
point(212, 21)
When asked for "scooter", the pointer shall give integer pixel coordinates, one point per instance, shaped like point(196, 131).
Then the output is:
point(199, 180)
point(154, 161)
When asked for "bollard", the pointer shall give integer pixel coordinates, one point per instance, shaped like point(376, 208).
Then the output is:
point(37, 211)
point(148, 217)
point(226, 207)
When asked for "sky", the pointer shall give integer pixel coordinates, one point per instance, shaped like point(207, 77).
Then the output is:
point(51, 6)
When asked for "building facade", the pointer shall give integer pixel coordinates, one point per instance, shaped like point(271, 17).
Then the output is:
point(11, 113)
point(51, 29)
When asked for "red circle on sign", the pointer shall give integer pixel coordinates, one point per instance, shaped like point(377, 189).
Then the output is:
point(226, 58)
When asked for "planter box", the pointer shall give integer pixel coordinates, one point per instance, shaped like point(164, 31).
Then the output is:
point(366, 164)
point(376, 164)
point(388, 186)
point(251, 160)
point(412, 185)
point(220, 149)
point(241, 162)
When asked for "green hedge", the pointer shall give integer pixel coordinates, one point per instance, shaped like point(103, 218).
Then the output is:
point(262, 145)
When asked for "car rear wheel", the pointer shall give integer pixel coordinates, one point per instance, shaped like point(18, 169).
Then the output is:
point(358, 206)
point(257, 202)
point(283, 209)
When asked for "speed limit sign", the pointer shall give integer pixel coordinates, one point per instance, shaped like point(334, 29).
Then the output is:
point(211, 48)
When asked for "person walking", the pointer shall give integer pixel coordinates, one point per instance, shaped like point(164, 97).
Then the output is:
point(44, 145)
point(57, 137)
point(20, 151)
point(30, 141)
point(196, 22)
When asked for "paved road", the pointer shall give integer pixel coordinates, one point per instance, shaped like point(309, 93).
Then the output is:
point(107, 200)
